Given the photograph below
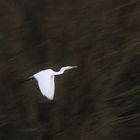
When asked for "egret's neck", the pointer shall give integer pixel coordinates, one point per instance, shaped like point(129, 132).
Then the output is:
point(62, 70)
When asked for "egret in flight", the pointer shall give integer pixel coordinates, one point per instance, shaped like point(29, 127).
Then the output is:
point(46, 81)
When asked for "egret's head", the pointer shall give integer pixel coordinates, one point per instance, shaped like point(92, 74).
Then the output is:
point(70, 67)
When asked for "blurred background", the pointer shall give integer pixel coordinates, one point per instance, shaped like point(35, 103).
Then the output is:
point(99, 100)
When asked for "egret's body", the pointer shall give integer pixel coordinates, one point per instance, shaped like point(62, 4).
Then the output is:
point(46, 81)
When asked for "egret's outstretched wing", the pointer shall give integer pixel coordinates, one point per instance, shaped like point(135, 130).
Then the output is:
point(46, 84)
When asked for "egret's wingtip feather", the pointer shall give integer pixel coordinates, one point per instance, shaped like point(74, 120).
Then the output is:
point(50, 99)
point(48, 95)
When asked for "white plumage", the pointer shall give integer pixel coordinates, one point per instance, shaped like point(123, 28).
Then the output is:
point(46, 80)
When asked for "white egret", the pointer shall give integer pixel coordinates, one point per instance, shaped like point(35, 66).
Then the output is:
point(46, 81)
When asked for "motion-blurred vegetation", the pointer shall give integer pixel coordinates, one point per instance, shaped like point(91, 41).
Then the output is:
point(100, 100)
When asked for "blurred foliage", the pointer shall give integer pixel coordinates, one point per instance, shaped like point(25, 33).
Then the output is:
point(101, 99)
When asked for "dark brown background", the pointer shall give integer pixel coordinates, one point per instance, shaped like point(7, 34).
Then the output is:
point(101, 99)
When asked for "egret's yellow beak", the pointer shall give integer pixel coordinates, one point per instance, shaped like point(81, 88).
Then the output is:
point(74, 67)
